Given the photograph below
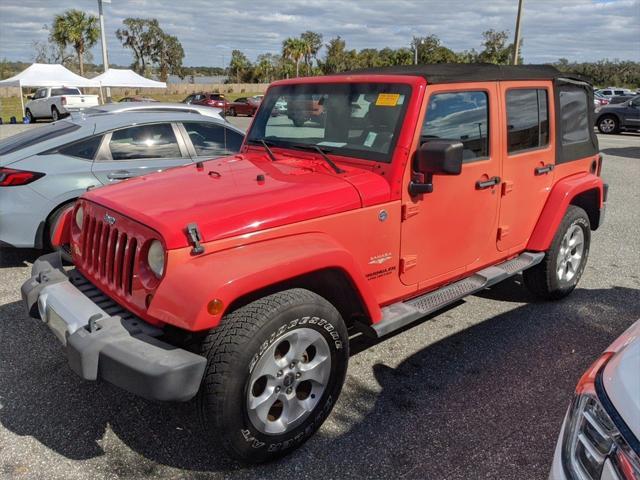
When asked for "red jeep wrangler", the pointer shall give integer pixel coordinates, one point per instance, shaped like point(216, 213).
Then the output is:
point(240, 279)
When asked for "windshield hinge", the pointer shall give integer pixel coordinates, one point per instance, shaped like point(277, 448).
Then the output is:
point(196, 237)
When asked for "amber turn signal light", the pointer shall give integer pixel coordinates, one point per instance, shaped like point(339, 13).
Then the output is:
point(215, 306)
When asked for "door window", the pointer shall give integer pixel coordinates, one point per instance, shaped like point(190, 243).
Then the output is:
point(527, 119)
point(144, 141)
point(211, 139)
point(460, 116)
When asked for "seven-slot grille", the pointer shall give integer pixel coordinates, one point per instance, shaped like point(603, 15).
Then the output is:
point(108, 253)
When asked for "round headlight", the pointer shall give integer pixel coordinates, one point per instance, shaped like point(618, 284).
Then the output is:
point(155, 258)
point(79, 217)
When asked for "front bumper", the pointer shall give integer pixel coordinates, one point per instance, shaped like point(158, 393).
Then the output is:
point(116, 346)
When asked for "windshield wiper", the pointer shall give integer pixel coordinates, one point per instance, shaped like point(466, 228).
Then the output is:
point(322, 152)
point(266, 147)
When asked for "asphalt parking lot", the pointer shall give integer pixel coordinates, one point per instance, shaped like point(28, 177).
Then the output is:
point(477, 392)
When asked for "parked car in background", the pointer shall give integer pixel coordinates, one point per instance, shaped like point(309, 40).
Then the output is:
point(137, 99)
point(599, 100)
point(242, 106)
point(155, 107)
point(56, 102)
point(613, 91)
point(614, 118)
point(599, 436)
point(43, 170)
point(620, 99)
point(208, 99)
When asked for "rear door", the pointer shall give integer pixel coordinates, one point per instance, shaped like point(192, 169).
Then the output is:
point(529, 160)
point(452, 229)
point(632, 113)
point(139, 150)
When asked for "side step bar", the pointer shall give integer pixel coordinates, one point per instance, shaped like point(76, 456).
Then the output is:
point(401, 314)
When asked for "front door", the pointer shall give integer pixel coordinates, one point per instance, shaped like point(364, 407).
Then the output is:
point(632, 113)
point(139, 150)
point(452, 230)
point(529, 160)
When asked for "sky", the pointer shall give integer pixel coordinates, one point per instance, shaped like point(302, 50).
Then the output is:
point(579, 30)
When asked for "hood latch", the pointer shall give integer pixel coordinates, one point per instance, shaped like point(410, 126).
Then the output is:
point(196, 237)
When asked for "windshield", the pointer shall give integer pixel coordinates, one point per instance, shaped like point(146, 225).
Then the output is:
point(361, 120)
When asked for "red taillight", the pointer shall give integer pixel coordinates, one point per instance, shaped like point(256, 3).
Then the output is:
point(11, 178)
point(63, 100)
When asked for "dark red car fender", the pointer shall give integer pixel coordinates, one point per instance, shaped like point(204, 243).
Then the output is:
point(563, 192)
point(191, 283)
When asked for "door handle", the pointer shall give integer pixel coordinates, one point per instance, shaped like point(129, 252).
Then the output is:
point(544, 169)
point(119, 175)
point(481, 185)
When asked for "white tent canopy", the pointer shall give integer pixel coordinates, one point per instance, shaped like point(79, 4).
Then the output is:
point(46, 75)
point(115, 77)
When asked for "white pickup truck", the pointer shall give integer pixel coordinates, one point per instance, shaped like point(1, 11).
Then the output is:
point(56, 102)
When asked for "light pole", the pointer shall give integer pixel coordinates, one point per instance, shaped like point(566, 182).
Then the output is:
point(416, 42)
point(103, 40)
point(516, 43)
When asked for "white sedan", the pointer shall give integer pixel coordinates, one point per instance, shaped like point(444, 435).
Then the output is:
point(599, 437)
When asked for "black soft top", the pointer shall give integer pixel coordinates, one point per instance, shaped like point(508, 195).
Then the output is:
point(470, 72)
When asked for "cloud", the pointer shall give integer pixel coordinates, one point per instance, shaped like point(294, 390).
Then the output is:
point(576, 29)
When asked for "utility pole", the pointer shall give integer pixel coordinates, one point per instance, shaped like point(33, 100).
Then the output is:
point(516, 43)
point(103, 40)
point(416, 42)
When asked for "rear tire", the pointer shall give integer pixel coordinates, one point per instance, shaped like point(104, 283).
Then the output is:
point(608, 124)
point(55, 114)
point(563, 264)
point(275, 369)
point(233, 112)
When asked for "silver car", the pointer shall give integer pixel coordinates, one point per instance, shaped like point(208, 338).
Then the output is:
point(43, 170)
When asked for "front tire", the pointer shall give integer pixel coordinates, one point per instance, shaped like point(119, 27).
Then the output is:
point(29, 116)
point(275, 369)
point(560, 270)
point(608, 124)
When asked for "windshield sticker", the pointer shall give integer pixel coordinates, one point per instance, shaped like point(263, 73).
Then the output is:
point(371, 137)
point(332, 144)
point(387, 99)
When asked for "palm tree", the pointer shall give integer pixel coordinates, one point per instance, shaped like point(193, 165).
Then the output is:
point(77, 29)
point(294, 49)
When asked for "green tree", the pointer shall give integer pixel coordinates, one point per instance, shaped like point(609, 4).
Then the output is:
point(167, 53)
point(266, 68)
point(431, 50)
point(137, 35)
point(77, 29)
point(294, 49)
point(337, 57)
point(496, 50)
point(239, 65)
point(312, 45)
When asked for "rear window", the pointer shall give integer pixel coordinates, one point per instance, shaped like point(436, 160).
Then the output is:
point(37, 135)
point(55, 92)
point(86, 148)
point(574, 120)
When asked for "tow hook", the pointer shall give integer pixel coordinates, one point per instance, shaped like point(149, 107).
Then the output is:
point(196, 237)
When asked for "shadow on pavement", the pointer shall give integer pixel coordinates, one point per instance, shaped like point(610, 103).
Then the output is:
point(444, 412)
point(17, 257)
point(629, 152)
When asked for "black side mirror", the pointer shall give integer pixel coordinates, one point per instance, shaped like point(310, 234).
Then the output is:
point(436, 157)
point(30, 97)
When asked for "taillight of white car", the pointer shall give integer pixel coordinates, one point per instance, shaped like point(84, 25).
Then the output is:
point(13, 178)
point(597, 442)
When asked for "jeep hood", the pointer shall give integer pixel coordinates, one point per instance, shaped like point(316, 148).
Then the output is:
point(238, 195)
